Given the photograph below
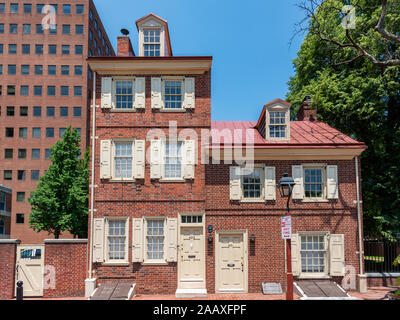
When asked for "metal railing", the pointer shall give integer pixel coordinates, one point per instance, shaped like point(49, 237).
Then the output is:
point(379, 256)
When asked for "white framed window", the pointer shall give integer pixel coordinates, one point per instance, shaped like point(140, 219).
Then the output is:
point(173, 160)
point(173, 94)
point(252, 184)
point(277, 124)
point(152, 42)
point(313, 254)
point(117, 240)
point(314, 182)
point(155, 240)
point(191, 219)
point(123, 160)
point(124, 94)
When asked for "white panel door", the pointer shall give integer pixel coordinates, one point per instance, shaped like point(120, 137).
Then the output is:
point(231, 270)
point(30, 264)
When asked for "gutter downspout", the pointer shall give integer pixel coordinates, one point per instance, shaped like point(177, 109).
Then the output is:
point(360, 240)
point(92, 187)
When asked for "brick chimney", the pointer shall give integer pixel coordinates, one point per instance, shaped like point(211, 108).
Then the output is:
point(307, 112)
point(124, 47)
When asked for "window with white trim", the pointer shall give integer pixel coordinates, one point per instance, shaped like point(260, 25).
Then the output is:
point(252, 184)
point(314, 186)
point(155, 236)
point(151, 42)
point(173, 160)
point(313, 253)
point(277, 124)
point(124, 94)
point(173, 94)
point(117, 242)
point(123, 160)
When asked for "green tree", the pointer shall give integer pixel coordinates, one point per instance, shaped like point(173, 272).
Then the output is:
point(353, 76)
point(60, 202)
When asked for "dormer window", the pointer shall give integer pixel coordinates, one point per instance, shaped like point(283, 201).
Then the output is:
point(277, 124)
point(151, 42)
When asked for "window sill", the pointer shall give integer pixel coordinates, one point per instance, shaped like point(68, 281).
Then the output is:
point(121, 180)
point(123, 111)
point(314, 276)
point(172, 180)
point(173, 110)
point(253, 201)
point(116, 264)
point(315, 201)
point(155, 263)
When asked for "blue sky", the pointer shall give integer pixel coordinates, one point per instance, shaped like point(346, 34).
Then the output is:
point(249, 41)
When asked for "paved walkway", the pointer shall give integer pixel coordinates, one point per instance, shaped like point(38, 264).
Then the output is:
point(378, 293)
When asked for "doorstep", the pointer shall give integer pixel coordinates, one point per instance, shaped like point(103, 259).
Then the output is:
point(190, 293)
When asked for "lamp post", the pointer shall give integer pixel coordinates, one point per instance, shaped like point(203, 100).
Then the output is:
point(285, 187)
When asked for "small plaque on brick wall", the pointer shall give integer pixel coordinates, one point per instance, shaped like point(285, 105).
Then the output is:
point(271, 288)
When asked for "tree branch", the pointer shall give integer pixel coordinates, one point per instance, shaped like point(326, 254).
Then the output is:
point(379, 27)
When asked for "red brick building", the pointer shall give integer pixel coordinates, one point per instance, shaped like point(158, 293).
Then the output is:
point(181, 204)
point(45, 84)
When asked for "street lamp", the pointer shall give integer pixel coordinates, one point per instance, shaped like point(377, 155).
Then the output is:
point(285, 187)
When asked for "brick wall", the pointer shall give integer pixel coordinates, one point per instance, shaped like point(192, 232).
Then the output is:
point(69, 259)
point(7, 268)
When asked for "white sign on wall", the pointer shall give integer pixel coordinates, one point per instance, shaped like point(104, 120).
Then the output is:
point(286, 225)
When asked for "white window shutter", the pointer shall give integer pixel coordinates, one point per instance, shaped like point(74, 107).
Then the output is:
point(298, 176)
point(336, 253)
point(98, 240)
point(235, 181)
point(155, 159)
point(106, 92)
point(270, 183)
point(172, 238)
point(156, 94)
point(137, 239)
point(189, 151)
point(105, 159)
point(296, 261)
point(140, 93)
point(190, 96)
point(332, 182)
point(139, 159)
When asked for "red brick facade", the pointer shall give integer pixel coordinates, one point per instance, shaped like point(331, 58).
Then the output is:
point(69, 260)
point(7, 268)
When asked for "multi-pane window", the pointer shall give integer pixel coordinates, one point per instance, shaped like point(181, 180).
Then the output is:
point(173, 94)
point(13, 28)
point(24, 91)
point(27, 8)
point(20, 218)
point(80, 9)
point(77, 91)
point(35, 154)
point(313, 183)
point(20, 196)
point(39, 8)
point(62, 131)
point(2, 7)
point(7, 174)
point(66, 9)
point(26, 29)
point(12, 49)
point(11, 90)
point(1, 48)
point(52, 49)
point(51, 90)
point(37, 90)
point(65, 70)
point(123, 160)
point(66, 29)
point(64, 91)
point(47, 154)
point(39, 49)
point(37, 111)
point(26, 49)
point(191, 219)
point(277, 127)
point(10, 111)
point(116, 240)
point(21, 174)
point(63, 111)
point(9, 132)
point(173, 160)
point(155, 239)
point(23, 111)
point(151, 43)
point(77, 111)
point(124, 94)
point(21, 153)
point(53, 29)
point(23, 133)
point(25, 69)
point(39, 29)
point(36, 132)
point(14, 8)
point(50, 111)
point(35, 175)
point(12, 69)
point(49, 132)
point(78, 49)
point(52, 70)
point(79, 29)
point(38, 70)
point(313, 254)
point(78, 70)
point(1, 27)
point(65, 49)
point(8, 153)
point(252, 184)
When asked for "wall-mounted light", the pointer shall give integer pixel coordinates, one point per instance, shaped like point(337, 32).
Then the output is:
point(253, 238)
point(210, 238)
point(210, 228)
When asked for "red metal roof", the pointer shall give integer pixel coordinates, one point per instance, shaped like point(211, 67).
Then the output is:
point(312, 134)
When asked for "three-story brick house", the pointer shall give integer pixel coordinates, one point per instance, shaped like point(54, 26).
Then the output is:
point(171, 207)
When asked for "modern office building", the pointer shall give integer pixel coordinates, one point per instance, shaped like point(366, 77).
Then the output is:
point(44, 88)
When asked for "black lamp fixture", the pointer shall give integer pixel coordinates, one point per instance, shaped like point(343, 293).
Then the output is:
point(253, 238)
point(286, 185)
point(210, 238)
point(210, 230)
point(125, 32)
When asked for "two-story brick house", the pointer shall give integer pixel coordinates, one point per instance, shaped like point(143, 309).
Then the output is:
point(169, 209)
